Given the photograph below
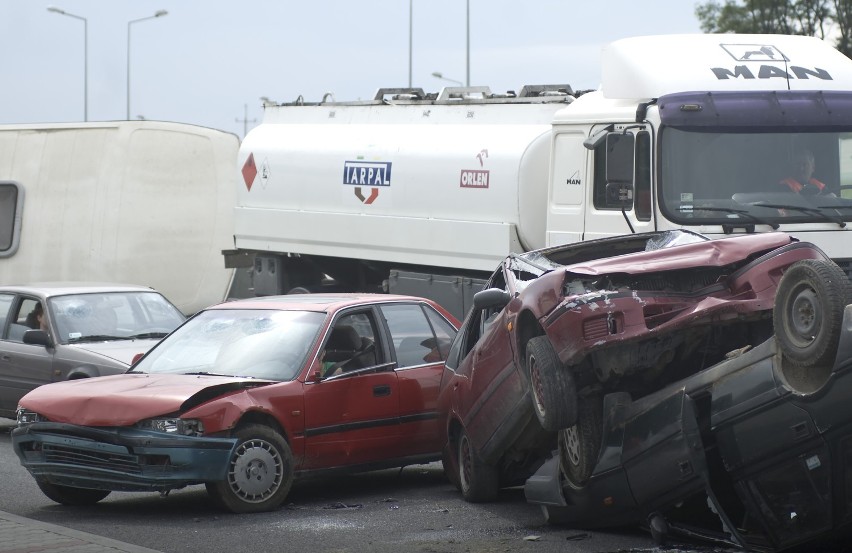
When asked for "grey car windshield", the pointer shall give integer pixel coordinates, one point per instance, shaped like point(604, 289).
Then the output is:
point(112, 316)
point(708, 176)
point(253, 343)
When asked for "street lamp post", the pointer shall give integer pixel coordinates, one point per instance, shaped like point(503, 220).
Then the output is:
point(467, 45)
point(54, 9)
point(159, 13)
point(439, 75)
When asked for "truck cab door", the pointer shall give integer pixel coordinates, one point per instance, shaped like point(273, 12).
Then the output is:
point(620, 196)
point(569, 179)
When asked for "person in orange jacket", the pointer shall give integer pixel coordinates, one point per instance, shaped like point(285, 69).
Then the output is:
point(801, 180)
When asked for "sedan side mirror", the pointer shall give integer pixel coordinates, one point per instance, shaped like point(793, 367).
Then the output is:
point(492, 298)
point(38, 338)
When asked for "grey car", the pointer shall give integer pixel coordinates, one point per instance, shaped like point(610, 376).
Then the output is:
point(53, 332)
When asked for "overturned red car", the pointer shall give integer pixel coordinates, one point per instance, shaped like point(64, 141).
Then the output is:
point(557, 330)
point(246, 396)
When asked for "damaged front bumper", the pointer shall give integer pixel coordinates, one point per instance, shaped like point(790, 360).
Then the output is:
point(740, 452)
point(119, 459)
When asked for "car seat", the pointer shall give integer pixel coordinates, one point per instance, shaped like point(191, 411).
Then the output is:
point(349, 350)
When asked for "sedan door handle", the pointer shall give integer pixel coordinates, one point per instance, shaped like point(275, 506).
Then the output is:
point(5, 357)
point(381, 391)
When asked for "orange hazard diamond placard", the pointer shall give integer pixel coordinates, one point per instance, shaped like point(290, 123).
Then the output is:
point(249, 171)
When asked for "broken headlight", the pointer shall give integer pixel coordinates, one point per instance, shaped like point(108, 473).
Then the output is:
point(182, 427)
point(25, 417)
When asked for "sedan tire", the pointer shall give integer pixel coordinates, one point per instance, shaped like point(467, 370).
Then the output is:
point(260, 472)
point(66, 495)
point(580, 444)
point(809, 305)
point(552, 387)
point(478, 482)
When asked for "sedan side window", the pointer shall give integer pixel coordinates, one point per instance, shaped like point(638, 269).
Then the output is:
point(23, 318)
point(413, 339)
point(351, 345)
point(5, 306)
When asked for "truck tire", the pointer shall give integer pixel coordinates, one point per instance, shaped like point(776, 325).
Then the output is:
point(478, 482)
point(66, 495)
point(809, 305)
point(552, 387)
point(580, 444)
point(260, 472)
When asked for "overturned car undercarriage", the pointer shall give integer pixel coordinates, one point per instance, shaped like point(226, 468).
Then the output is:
point(755, 451)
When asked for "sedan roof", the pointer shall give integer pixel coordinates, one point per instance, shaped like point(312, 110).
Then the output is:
point(315, 302)
point(50, 289)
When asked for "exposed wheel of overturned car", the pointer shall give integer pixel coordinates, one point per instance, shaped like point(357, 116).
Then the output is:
point(809, 305)
point(580, 444)
point(553, 391)
point(478, 482)
point(260, 472)
point(67, 495)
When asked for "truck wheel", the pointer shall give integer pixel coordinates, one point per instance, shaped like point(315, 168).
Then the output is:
point(809, 305)
point(552, 388)
point(478, 482)
point(66, 495)
point(260, 472)
point(580, 444)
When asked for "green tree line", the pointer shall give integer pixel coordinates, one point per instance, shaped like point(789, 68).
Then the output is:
point(825, 19)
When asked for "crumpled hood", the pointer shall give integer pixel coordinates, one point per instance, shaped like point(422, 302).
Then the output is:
point(712, 253)
point(118, 350)
point(124, 399)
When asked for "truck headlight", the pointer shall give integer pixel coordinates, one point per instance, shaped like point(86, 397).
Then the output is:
point(25, 416)
point(182, 427)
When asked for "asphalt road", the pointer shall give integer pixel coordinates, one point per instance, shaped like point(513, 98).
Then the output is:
point(415, 510)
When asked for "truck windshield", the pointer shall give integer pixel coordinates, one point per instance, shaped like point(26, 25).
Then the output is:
point(708, 176)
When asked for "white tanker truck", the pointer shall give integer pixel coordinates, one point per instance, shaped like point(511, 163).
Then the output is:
point(424, 193)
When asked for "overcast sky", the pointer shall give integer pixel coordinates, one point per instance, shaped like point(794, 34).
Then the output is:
point(208, 62)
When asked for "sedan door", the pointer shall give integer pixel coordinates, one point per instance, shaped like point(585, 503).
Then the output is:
point(352, 413)
point(23, 367)
point(421, 338)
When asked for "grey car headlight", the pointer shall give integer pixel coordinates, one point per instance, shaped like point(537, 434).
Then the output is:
point(182, 427)
point(25, 416)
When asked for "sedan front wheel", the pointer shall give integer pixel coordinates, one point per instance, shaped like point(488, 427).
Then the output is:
point(260, 472)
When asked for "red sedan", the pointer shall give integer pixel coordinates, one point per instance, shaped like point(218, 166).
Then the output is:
point(246, 396)
point(559, 332)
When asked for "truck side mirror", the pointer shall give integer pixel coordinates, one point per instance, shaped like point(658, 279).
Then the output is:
point(38, 338)
point(619, 157)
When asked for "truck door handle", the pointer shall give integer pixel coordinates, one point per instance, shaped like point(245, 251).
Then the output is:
point(381, 391)
point(5, 357)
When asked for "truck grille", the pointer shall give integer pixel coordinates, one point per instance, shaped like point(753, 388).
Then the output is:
point(86, 458)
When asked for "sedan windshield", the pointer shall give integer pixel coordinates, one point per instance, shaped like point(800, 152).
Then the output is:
point(112, 316)
point(256, 343)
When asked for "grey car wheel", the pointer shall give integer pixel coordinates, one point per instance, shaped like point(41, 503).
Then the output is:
point(579, 445)
point(809, 305)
